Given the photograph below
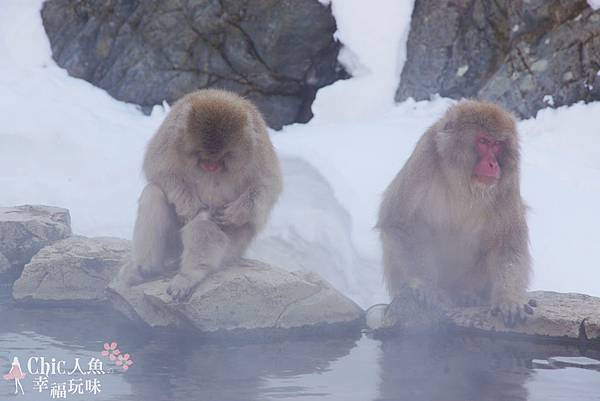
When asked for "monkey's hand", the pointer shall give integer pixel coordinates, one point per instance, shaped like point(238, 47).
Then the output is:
point(512, 312)
point(188, 207)
point(181, 287)
point(186, 204)
point(236, 213)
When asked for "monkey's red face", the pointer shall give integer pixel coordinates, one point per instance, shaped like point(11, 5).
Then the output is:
point(489, 151)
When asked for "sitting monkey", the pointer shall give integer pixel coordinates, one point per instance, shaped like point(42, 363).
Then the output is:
point(453, 223)
point(213, 178)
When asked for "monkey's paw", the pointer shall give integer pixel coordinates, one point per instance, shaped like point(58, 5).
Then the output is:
point(233, 214)
point(512, 313)
point(180, 288)
point(189, 209)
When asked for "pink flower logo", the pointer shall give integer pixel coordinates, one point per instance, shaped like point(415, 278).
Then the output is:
point(125, 361)
point(111, 351)
point(120, 358)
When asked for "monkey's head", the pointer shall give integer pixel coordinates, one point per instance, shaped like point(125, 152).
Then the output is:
point(478, 141)
point(218, 137)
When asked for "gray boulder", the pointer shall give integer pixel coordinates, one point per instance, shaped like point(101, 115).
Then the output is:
point(277, 53)
point(72, 271)
point(24, 230)
point(559, 316)
point(249, 296)
point(523, 55)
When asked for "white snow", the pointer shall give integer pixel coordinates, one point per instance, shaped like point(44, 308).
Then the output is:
point(67, 143)
point(375, 45)
point(595, 4)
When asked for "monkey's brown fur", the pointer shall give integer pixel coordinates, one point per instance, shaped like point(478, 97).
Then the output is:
point(447, 237)
point(198, 218)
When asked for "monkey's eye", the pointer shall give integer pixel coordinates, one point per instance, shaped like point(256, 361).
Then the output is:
point(483, 141)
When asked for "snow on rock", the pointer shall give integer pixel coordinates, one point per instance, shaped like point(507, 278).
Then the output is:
point(574, 362)
point(310, 230)
point(595, 4)
point(374, 39)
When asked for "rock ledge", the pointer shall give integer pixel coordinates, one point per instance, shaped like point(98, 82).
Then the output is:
point(558, 316)
point(248, 296)
point(72, 271)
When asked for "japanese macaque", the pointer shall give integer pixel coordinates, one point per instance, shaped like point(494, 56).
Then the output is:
point(453, 223)
point(213, 178)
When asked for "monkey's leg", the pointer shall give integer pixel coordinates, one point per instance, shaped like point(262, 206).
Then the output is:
point(155, 237)
point(240, 239)
point(204, 248)
point(409, 267)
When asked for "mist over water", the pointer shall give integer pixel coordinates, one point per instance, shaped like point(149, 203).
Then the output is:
point(177, 367)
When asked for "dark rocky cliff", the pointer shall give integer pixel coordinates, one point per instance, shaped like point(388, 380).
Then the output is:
point(275, 52)
point(512, 52)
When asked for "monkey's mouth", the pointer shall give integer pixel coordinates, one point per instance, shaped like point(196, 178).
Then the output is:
point(211, 167)
point(486, 179)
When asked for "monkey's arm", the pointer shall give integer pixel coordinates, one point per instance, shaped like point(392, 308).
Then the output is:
point(509, 266)
point(408, 266)
point(187, 205)
point(154, 237)
point(253, 206)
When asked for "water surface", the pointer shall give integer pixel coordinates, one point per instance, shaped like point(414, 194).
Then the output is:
point(173, 367)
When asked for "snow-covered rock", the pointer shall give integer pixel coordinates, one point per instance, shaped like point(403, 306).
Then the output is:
point(574, 362)
point(74, 270)
point(24, 230)
point(249, 296)
point(310, 230)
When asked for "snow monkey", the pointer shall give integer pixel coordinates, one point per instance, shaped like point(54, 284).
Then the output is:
point(453, 223)
point(213, 178)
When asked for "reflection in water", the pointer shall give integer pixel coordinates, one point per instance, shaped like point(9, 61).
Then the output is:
point(464, 368)
point(188, 370)
point(354, 377)
point(568, 384)
point(169, 367)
